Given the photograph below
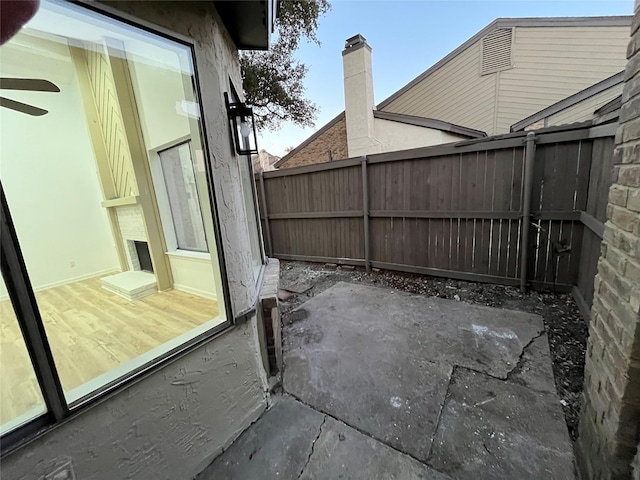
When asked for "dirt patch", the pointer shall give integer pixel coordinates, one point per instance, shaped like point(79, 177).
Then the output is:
point(565, 327)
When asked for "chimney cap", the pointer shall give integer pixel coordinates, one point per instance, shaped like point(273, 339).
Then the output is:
point(354, 43)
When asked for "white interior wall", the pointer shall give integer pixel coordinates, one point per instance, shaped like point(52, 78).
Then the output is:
point(400, 136)
point(49, 173)
point(159, 93)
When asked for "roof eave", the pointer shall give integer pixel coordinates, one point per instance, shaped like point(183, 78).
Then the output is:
point(249, 23)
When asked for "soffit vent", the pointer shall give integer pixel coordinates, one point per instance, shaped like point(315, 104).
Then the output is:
point(496, 51)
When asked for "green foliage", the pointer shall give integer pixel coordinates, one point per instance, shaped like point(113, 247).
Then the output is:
point(273, 80)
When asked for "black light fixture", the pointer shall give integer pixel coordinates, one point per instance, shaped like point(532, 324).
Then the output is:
point(244, 127)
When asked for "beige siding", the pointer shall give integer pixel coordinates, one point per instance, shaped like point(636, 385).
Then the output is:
point(552, 63)
point(454, 93)
point(584, 110)
point(549, 64)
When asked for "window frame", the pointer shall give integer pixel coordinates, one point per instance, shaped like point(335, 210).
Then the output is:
point(17, 282)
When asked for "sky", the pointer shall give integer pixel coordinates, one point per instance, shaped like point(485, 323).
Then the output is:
point(407, 37)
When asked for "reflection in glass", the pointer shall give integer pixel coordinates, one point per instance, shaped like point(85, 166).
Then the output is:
point(20, 396)
point(182, 193)
point(109, 194)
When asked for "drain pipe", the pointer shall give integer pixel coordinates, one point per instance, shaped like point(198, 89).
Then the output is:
point(529, 159)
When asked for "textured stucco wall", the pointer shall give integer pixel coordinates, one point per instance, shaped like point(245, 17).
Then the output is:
point(168, 426)
point(174, 422)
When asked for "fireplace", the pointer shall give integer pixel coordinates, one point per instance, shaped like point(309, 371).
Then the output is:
point(144, 257)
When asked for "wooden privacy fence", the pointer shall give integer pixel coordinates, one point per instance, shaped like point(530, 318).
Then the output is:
point(511, 209)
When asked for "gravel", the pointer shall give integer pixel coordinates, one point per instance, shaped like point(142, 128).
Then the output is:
point(566, 329)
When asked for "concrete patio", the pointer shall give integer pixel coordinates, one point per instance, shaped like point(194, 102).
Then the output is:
point(384, 384)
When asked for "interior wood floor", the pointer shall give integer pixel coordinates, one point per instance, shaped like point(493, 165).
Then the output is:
point(91, 331)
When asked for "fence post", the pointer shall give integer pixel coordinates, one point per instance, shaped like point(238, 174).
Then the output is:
point(529, 160)
point(263, 196)
point(365, 213)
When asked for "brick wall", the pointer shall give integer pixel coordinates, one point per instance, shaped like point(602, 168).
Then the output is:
point(610, 418)
point(131, 223)
point(317, 151)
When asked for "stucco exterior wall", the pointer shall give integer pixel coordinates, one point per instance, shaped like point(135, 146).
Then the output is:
point(171, 424)
point(399, 136)
point(317, 150)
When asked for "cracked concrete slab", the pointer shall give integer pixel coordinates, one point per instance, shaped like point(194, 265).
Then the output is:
point(467, 390)
point(499, 430)
point(342, 452)
point(293, 441)
point(534, 369)
point(381, 360)
point(276, 446)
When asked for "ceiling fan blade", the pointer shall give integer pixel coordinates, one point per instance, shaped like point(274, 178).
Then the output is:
point(31, 84)
point(22, 107)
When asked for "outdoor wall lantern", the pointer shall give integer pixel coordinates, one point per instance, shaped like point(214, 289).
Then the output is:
point(244, 127)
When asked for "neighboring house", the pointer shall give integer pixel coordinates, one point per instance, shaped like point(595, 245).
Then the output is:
point(139, 354)
point(361, 129)
point(264, 161)
point(511, 69)
point(575, 108)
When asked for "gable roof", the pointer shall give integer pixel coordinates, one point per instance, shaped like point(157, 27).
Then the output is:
point(393, 117)
point(570, 101)
point(608, 21)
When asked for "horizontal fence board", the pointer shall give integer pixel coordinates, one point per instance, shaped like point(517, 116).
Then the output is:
point(437, 272)
point(319, 167)
point(446, 214)
point(347, 214)
point(593, 224)
point(568, 215)
point(306, 258)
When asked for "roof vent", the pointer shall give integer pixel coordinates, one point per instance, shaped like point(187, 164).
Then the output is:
point(496, 51)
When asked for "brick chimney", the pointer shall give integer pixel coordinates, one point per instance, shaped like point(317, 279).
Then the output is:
point(358, 97)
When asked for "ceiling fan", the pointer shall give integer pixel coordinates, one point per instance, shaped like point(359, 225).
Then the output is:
point(28, 84)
